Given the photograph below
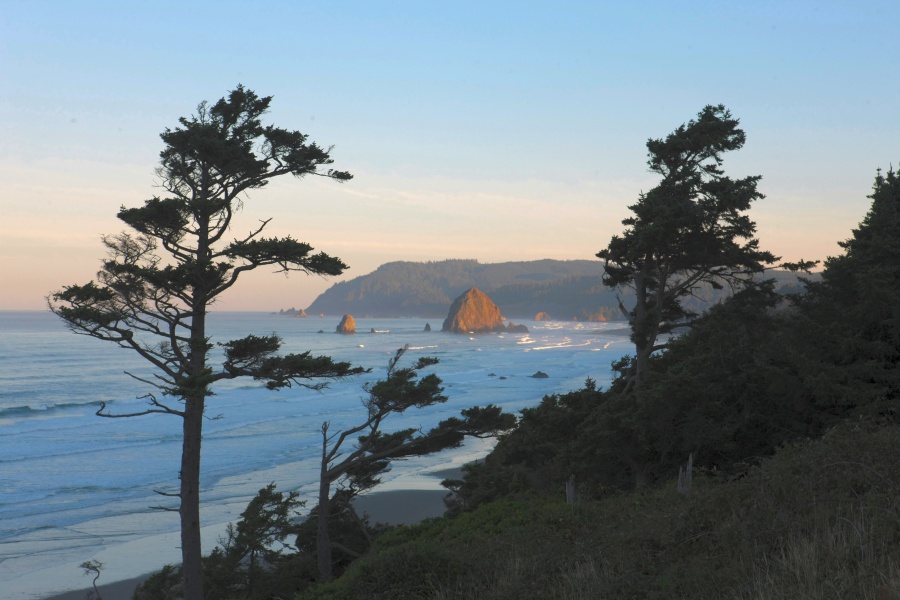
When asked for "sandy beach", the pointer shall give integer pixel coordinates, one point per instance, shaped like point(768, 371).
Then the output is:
point(396, 507)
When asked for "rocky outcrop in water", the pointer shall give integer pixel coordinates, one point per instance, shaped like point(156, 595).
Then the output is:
point(347, 325)
point(474, 312)
point(542, 316)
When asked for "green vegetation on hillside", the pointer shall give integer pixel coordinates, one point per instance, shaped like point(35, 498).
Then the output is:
point(818, 520)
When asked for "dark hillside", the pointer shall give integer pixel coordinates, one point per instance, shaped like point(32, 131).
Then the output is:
point(403, 289)
point(566, 289)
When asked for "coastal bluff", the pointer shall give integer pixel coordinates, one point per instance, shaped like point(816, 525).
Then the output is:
point(474, 312)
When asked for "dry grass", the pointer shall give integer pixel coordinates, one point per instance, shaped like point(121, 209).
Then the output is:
point(846, 558)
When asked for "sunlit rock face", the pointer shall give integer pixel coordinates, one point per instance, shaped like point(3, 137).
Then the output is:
point(347, 325)
point(473, 312)
point(542, 316)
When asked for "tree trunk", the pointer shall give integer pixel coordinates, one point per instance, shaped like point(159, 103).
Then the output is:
point(194, 403)
point(639, 330)
point(641, 360)
point(191, 553)
point(645, 326)
point(323, 540)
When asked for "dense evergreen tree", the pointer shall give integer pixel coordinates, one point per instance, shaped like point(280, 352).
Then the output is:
point(157, 285)
point(689, 229)
point(254, 547)
point(857, 308)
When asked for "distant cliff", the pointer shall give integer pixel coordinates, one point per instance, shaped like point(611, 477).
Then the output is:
point(565, 289)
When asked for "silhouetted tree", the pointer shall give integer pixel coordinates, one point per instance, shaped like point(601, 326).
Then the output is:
point(689, 229)
point(859, 298)
point(361, 467)
point(252, 548)
point(154, 290)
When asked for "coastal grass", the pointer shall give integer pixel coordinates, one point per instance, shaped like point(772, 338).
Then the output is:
point(818, 520)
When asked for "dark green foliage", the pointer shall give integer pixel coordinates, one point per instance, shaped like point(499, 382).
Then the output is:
point(859, 298)
point(541, 453)
point(165, 583)
point(350, 533)
point(360, 469)
point(817, 520)
point(733, 389)
point(250, 562)
point(249, 555)
point(689, 229)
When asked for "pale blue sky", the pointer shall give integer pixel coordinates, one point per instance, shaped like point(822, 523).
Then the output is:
point(490, 130)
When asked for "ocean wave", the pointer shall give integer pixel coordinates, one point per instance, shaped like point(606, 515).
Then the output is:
point(44, 409)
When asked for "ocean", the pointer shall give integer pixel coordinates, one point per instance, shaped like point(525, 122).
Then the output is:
point(77, 487)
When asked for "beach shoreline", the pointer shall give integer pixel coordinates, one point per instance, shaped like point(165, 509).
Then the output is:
point(391, 506)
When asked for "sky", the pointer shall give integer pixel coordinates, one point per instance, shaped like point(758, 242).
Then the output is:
point(491, 130)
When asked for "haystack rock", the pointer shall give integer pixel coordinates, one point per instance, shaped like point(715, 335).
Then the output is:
point(347, 325)
point(427, 326)
point(542, 316)
point(474, 312)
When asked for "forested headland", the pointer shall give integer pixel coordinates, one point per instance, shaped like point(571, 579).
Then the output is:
point(568, 290)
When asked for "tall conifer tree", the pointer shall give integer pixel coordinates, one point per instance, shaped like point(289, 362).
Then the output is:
point(688, 230)
point(154, 291)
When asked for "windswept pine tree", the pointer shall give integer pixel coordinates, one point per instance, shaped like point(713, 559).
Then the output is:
point(688, 230)
point(155, 289)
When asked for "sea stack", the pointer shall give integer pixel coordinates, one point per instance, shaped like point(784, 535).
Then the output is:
point(347, 325)
point(542, 316)
point(473, 312)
